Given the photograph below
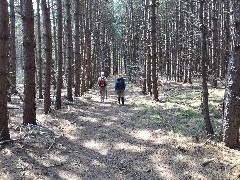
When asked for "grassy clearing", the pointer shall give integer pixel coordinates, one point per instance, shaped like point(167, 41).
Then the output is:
point(180, 110)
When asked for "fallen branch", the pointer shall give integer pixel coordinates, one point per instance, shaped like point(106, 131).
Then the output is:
point(9, 141)
point(207, 162)
point(51, 146)
point(235, 165)
point(207, 140)
point(52, 143)
point(57, 164)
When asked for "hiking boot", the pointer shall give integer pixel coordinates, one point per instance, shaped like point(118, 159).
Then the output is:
point(123, 101)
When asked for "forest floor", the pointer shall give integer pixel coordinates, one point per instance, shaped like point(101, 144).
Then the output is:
point(144, 139)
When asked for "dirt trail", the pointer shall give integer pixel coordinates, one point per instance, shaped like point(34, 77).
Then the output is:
point(91, 140)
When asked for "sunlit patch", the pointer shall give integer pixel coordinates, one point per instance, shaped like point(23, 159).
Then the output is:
point(129, 147)
point(162, 140)
point(69, 131)
point(69, 174)
point(59, 158)
point(92, 119)
point(97, 163)
point(142, 134)
point(6, 152)
point(108, 123)
point(96, 146)
point(195, 104)
point(5, 175)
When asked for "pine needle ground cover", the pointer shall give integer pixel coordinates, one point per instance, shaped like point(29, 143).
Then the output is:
point(144, 139)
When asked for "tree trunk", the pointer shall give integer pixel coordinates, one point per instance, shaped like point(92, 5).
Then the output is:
point(69, 51)
point(40, 83)
point(149, 60)
point(88, 44)
point(215, 51)
point(231, 121)
point(4, 130)
point(60, 55)
point(13, 49)
point(48, 55)
point(77, 50)
point(144, 87)
point(54, 48)
point(192, 40)
point(83, 52)
point(154, 54)
point(181, 29)
point(227, 33)
point(29, 105)
point(205, 106)
point(167, 50)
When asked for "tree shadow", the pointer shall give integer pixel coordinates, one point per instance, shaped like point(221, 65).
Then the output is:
point(91, 140)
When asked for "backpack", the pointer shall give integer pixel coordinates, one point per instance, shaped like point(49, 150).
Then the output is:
point(120, 84)
point(102, 82)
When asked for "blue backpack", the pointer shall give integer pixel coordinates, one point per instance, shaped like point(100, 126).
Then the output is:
point(120, 84)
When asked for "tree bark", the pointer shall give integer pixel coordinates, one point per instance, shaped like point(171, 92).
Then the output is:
point(60, 55)
point(40, 75)
point(77, 49)
point(231, 121)
point(215, 52)
point(13, 48)
point(149, 60)
point(82, 47)
point(29, 105)
point(154, 53)
point(54, 46)
point(69, 51)
point(48, 55)
point(144, 76)
point(4, 130)
point(205, 94)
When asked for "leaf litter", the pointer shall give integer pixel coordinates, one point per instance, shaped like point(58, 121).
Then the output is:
point(88, 139)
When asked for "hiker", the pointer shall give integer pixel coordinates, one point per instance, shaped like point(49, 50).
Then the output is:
point(102, 82)
point(120, 85)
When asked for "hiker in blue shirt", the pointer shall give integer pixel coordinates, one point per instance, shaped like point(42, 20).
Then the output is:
point(120, 86)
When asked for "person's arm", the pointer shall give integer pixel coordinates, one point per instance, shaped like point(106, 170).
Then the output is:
point(106, 81)
point(98, 81)
point(115, 85)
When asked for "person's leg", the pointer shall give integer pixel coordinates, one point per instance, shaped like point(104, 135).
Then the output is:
point(122, 101)
point(101, 94)
point(106, 92)
point(122, 97)
point(118, 96)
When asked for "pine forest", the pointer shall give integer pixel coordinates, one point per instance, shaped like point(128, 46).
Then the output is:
point(119, 89)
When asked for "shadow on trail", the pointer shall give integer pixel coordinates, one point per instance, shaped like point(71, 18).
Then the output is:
point(97, 141)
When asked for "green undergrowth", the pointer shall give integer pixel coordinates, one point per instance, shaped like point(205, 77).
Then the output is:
point(180, 111)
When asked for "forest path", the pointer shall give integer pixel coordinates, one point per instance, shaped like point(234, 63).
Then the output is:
point(91, 140)
point(109, 141)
